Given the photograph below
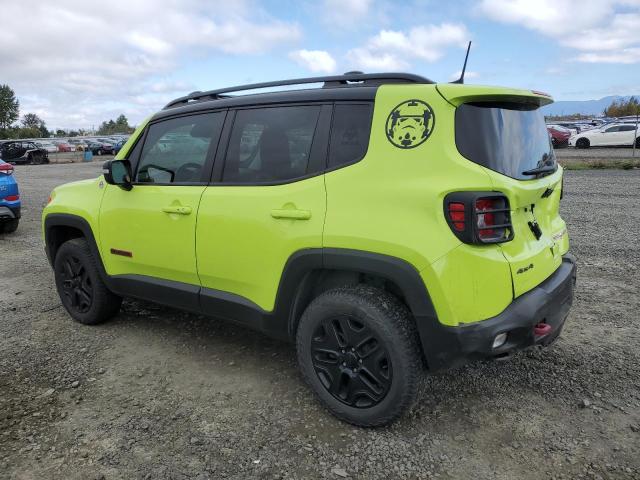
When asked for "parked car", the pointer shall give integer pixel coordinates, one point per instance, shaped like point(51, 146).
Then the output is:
point(559, 135)
point(572, 130)
point(339, 218)
point(100, 148)
point(78, 144)
point(48, 146)
point(609, 135)
point(118, 146)
point(9, 199)
point(62, 145)
point(23, 151)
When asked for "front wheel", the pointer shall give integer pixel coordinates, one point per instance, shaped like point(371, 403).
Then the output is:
point(358, 351)
point(638, 142)
point(81, 290)
point(582, 143)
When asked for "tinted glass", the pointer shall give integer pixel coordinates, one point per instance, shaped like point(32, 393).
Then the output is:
point(627, 128)
point(176, 150)
point(270, 144)
point(350, 131)
point(612, 129)
point(507, 138)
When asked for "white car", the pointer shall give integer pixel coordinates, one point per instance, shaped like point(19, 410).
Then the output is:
point(48, 146)
point(609, 135)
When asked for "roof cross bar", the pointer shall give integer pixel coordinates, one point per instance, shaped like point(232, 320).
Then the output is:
point(349, 78)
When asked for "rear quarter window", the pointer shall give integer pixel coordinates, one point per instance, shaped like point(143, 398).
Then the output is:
point(350, 131)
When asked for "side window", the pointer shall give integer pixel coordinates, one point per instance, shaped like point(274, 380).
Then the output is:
point(350, 131)
point(627, 128)
point(270, 144)
point(612, 129)
point(176, 150)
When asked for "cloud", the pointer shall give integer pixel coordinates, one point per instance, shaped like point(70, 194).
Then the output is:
point(345, 13)
point(86, 59)
point(393, 50)
point(603, 29)
point(627, 56)
point(314, 60)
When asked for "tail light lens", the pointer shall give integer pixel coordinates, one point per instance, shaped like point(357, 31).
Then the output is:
point(479, 217)
point(12, 198)
point(6, 168)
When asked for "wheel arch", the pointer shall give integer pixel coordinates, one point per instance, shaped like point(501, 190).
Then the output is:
point(311, 272)
point(61, 227)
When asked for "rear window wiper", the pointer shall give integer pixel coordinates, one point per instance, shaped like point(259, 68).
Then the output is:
point(539, 170)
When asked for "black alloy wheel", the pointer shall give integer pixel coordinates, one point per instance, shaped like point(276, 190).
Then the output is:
point(77, 287)
point(351, 362)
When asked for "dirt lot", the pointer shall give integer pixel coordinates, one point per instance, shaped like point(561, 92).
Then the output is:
point(600, 153)
point(161, 394)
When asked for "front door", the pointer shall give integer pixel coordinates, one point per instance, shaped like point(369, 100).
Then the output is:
point(150, 230)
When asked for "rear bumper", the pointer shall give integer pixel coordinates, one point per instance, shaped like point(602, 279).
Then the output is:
point(548, 303)
point(9, 212)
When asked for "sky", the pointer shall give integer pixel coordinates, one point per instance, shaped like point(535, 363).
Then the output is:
point(76, 63)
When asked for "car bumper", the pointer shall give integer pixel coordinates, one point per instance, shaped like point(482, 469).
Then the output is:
point(9, 212)
point(547, 304)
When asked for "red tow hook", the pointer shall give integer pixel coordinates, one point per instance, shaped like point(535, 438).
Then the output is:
point(541, 329)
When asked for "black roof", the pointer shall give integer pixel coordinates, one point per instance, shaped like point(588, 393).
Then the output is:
point(350, 86)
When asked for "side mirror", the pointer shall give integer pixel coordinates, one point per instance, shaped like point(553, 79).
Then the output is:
point(118, 172)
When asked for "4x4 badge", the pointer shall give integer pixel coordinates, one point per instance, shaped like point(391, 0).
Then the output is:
point(410, 123)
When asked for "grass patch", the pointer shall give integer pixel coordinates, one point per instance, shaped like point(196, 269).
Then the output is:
point(600, 164)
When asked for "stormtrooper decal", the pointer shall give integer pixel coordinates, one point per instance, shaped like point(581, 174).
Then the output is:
point(410, 124)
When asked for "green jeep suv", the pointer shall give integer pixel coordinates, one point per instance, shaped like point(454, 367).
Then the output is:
point(382, 222)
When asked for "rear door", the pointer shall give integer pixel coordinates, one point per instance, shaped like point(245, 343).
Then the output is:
point(266, 202)
point(510, 140)
point(627, 134)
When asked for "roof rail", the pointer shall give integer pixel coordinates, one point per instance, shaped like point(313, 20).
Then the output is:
point(349, 78)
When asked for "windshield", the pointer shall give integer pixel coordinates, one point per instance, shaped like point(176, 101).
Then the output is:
point(509, 138)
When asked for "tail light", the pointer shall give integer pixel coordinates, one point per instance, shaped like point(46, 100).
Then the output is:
point(12, 198)
point(6, 168)
point(479, 217)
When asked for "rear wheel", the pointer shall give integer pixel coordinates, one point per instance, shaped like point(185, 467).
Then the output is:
point(82, 291)
point(638, 142)
point(9, 226)
point(582, 143)
point(358, 351)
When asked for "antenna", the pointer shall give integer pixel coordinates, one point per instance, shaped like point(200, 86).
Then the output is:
point(464, 67)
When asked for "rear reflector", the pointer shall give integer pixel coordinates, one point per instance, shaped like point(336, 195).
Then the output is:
point(12, 198)
point(456, 214)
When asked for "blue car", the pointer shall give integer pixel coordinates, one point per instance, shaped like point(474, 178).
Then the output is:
point(9, 199)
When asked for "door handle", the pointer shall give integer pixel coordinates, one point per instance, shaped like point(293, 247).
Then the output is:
point(291, 213)
point(180, 210)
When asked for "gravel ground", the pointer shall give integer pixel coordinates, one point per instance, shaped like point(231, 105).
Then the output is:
point(160, 394)
point(595, 153)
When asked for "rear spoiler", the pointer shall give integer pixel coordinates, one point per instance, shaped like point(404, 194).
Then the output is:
point(457, 94)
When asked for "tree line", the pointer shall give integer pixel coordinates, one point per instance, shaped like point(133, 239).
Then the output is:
point(32, 126)
point(623, 108)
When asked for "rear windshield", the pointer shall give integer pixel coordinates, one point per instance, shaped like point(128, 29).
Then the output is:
point(509, 138)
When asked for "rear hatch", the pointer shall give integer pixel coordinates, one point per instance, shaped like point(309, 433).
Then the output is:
point(504, 131)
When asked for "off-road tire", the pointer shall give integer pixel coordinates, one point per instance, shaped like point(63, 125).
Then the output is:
point(583, 143)
point(391, 322)
point(104, 304)
point(9, 226)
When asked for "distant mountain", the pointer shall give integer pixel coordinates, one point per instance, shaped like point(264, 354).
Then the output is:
point(585, 107)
